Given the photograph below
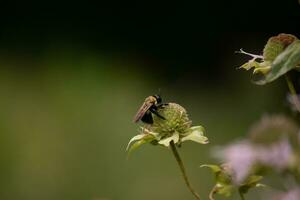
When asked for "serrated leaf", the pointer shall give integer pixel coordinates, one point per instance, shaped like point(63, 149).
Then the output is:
point(284, 62)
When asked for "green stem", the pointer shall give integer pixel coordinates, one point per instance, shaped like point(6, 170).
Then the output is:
point(293, 92)
point(180, 163)
point(212, 192)
point(242, 195)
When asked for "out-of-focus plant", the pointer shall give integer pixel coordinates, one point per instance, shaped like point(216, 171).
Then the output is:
point(272, 144)
point(226, 183)
point(281, 54)
point(170, 132)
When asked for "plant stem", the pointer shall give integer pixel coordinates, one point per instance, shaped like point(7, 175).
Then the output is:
point(293, 92)
point(212, 192)
point(180, 163)
point(242, 195)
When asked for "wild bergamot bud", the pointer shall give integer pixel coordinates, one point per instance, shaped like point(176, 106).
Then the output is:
point(175, 127)
point(176, 120)
point(281, 54)
point(276, 45)
point(225, 183)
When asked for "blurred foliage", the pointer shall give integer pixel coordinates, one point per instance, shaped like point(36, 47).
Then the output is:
point(65, 126)
point(273, 145)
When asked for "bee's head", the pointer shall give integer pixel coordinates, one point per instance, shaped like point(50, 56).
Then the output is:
point(158, 98)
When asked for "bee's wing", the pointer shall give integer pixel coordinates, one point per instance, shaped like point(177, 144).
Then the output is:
point(141, 112)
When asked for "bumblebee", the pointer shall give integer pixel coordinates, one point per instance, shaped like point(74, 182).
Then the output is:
point(149, 107)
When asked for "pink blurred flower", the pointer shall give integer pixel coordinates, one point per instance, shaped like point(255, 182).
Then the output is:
point(293, 194)
point(277, 156)
point(243, 155)
point(240, 157)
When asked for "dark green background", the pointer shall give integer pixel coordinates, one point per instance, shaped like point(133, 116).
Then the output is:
point(73, 74)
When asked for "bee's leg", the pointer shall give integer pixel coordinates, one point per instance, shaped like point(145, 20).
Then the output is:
point(154, 111)
point(147, 118)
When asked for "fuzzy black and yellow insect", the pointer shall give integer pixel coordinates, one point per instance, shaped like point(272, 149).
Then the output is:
point(150, 105)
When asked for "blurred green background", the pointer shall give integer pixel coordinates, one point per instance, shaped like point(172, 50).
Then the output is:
point(72, 76)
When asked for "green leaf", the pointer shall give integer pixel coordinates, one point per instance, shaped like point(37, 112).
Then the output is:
point(251, 182)
point(222, 176)
point(261, 185)
point(225, 190)
point(224, 185)
point(250, 64)
point(166, 141)
point(214, 168)
point(196, 134)
point(284, 62)
point(138, 141)
point(135, 138)
point(262, 69)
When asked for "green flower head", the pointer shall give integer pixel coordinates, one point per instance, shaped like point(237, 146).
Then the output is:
point(175, 127)
point(176, 120)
